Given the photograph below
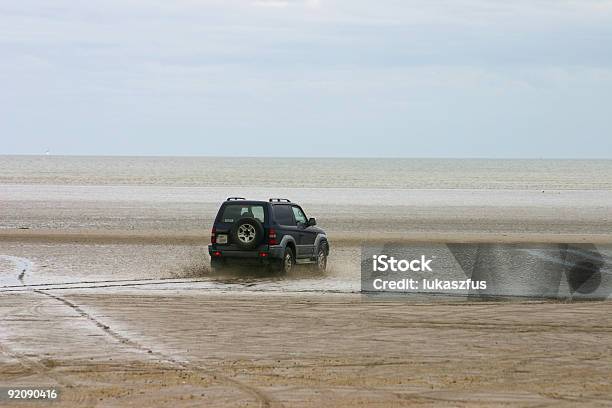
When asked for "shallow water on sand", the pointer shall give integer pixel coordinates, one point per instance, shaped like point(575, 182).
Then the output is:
point(169, 268)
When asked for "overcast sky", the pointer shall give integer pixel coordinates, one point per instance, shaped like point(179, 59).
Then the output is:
point(431, 78)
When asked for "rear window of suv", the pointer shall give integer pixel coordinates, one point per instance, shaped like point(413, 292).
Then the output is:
point(233, 212)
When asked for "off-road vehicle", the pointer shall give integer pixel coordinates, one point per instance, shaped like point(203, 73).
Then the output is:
point(274, 233)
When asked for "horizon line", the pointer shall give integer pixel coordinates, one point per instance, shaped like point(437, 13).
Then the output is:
point(300, 157)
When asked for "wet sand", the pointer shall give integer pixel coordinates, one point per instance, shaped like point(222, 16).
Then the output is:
point(141, 348)
point(142, 324)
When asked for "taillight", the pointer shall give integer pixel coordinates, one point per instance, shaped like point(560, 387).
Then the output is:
point(216, 254)
point(213, 236)
point(272, 237)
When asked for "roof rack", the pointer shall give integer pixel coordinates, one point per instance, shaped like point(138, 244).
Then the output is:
point(280, 200)
point(235, 198)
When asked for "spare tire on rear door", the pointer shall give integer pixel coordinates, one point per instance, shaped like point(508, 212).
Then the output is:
point(247, 233)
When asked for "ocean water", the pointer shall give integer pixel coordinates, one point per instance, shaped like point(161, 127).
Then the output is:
point(345, 195)
point(309, 173)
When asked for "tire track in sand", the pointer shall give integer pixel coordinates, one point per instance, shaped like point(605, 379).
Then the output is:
point(77, 397)
point(24, 265)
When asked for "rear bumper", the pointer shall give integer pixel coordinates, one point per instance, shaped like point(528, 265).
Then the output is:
point(272, 252)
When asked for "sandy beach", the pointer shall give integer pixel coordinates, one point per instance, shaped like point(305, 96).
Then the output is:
point(138, 323)
point(188, 348)
point(106, 294)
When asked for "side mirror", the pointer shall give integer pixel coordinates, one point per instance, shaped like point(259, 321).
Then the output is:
point(312, 222)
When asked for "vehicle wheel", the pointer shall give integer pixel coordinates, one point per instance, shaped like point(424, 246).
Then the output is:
point(285, 265)
point(247, 233)
point(321, 259)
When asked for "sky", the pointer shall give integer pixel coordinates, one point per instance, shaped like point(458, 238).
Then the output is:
point(307, 78)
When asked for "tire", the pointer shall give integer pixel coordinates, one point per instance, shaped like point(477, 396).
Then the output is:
point(286, 264)
point(247, 233)
point(321, 258)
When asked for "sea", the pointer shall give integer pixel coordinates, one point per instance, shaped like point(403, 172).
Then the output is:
point(352, 196)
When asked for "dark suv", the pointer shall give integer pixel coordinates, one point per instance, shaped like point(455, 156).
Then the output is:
point(275, 233)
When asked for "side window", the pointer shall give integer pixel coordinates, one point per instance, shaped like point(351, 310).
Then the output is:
point(283, 215)
point(299, 215)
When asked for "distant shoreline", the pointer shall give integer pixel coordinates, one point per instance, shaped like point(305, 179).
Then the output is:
point(387, 173)
point(188, 156)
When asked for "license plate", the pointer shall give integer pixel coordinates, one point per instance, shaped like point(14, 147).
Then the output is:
point(221, 239)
